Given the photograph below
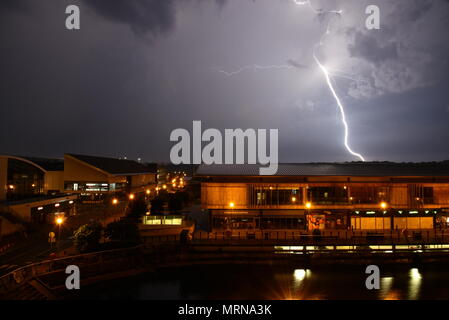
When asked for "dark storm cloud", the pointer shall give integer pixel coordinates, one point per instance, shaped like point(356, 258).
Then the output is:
point(413, 9)
point(142, 16)
point(102, 90)
point(154, 16)
point(8, 5)
point(296, 64)
point(366, 46)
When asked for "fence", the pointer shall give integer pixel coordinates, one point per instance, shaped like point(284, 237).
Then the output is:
point(15, 278)
point(298, 237)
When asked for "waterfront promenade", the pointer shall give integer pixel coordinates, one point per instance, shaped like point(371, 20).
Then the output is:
point(46, 279)
point(331, 237)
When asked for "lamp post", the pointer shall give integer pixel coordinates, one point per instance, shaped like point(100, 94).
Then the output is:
point(308, 205)
point(59, 222)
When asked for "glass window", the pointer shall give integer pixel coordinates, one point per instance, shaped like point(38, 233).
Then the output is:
point(24, 180)
point(275, 195)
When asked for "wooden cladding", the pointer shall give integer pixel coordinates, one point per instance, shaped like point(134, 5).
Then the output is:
point(289, 195)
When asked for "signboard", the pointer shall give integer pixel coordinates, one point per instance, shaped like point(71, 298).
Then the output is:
point(51, 237)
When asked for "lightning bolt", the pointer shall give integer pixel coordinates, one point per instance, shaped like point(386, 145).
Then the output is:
point(327, 74)
point(255, 67)
point(329, 83)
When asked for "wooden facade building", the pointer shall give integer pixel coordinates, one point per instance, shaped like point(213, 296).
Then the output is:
point(327, 196)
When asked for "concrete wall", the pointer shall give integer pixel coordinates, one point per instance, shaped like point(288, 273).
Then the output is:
point(23, 210)
point(6, 227)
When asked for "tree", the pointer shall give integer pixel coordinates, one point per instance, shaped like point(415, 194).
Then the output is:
point(157, 206)
point(175, 202)
point(87, 237)
point(123, 232)
point(137, 208)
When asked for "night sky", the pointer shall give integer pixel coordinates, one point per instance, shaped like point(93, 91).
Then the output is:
point(138, 69)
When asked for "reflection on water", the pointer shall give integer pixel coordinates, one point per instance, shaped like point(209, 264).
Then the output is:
point(257, 282)
point(385, 291)
point(414, 284)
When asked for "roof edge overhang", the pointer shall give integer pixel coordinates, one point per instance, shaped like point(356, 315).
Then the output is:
point(24, 160)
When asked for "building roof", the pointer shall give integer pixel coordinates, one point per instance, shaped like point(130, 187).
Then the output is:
point(47, 164)
point(333, 169)
point(115, 166)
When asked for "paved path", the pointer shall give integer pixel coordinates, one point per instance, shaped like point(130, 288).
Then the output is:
point(37, 248)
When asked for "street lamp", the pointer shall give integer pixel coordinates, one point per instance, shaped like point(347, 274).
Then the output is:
point(59, 222)
point(131, 196)
point(308, 205)
point(383, 205)
point(231, 205)
point(114, 201)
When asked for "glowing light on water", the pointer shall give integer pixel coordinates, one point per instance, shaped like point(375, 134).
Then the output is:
point(415, 279)
point(300, 274)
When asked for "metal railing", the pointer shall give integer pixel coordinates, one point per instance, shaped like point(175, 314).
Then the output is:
point(298, 237)
point(15, 278)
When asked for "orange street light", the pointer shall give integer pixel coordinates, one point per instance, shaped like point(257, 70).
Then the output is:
point(383, 205)
point(131, 196)
point(148, 191)
point(293, 199)
point(114, 201)
point(231, 204)
point(308, 205)
point(59, 222)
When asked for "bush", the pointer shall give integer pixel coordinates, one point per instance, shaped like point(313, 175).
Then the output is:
point(124, 232)
point(137, 208)
point(87, 237)
point(157, 206)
